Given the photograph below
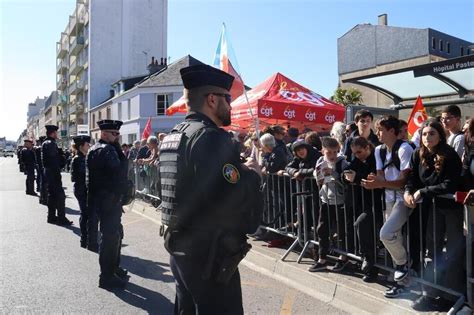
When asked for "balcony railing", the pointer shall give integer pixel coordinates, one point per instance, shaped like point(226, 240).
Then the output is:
point(82, 15)
point(76, 67)
point(72, 23)
point(76, 87)
point(61, 66)
point(77, 45)
point(61, 50)
point(62, 82)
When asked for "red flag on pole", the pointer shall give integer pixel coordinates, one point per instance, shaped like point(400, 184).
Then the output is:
point(147, 130)
point(417, 117)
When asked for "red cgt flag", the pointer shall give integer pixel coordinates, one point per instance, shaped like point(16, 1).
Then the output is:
point(417, 117)
point(147, 130)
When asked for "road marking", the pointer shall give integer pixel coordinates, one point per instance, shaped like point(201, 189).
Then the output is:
point(134, 221)
point(255, 284)
point(287, 305)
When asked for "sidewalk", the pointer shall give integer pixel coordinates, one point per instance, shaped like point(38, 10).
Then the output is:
point(346, 292)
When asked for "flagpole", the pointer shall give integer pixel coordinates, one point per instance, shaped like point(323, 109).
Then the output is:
point(256, 120)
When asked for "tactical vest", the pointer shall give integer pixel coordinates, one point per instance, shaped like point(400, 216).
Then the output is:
point(173, 169)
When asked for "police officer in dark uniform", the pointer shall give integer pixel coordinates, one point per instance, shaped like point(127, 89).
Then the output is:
point(20, 163)
point(28, 161)
point(52, 163)
point(210, 199)
point(38, 164)
point(107, 184)
point(87, 223)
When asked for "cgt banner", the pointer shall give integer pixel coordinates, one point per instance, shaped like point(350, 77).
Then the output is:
point(279, 100)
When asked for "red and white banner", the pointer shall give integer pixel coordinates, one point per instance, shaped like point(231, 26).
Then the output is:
point(147, 130)
point(279, 100)
point(417, 117)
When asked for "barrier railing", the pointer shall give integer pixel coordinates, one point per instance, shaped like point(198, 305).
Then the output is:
point(354, 218)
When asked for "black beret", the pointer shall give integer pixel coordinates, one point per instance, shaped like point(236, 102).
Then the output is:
point(200, 75)
point(79, 140)
point(108, 124)
point(51, 128)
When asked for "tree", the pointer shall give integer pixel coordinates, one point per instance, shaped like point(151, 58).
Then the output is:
point(347, 96)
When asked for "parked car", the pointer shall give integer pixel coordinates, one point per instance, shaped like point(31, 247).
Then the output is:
point(7, 153)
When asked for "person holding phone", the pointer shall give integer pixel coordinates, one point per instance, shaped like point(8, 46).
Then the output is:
point(436, 170)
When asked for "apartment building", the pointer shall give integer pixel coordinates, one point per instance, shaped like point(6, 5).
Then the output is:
point(103, 41)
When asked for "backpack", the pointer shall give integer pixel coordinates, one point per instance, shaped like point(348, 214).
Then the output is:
point(395, 158)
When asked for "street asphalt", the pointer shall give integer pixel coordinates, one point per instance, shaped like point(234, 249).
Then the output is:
point(43, 269)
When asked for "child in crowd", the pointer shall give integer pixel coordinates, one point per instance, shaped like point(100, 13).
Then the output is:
point(328, 173)
point(369, 203)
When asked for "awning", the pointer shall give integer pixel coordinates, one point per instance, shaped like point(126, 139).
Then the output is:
point(279, 100)
point(449, 77)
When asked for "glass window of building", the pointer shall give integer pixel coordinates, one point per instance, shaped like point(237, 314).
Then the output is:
point(161, 104)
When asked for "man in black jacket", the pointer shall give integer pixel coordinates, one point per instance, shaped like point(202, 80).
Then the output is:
point(107, 183)
point(53, 162)
point(206, 189)
point(28, 160)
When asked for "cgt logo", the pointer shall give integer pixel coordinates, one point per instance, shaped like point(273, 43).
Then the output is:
point(330, 118)
point(301, 96)
point(266, 111)
point(289, 113)
point(311, 116)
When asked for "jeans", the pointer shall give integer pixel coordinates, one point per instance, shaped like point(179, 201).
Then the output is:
point(391, 235)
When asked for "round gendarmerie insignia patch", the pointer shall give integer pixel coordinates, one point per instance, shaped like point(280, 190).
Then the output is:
point(231, 173)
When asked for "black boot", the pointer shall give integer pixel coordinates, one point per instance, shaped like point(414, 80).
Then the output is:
point(63, 221)
point(121, 273)
point(111, 282)
point(52, 219)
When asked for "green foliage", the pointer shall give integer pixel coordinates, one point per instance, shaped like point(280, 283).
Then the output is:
point(347, 96)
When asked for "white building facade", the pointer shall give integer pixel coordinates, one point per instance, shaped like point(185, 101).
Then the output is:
point(103, 41)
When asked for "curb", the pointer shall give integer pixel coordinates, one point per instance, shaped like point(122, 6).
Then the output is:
point(338, 290)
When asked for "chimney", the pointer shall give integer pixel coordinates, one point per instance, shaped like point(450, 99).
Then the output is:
point(161, 61)
point(154, 66)
point(111, 93)
point(165, 60)
point(383, 18)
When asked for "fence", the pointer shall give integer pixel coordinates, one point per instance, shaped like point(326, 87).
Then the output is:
point(354, 219)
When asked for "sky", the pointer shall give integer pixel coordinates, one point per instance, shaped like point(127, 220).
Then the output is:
point(296, 38)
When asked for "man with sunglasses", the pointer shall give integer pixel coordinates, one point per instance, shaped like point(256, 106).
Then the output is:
point(107, 183)
point(207, 197)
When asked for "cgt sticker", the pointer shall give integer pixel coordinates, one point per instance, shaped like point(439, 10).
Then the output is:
point(231, 173)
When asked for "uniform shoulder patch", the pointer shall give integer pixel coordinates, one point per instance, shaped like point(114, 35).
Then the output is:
point(171, 141)
point(231, 173)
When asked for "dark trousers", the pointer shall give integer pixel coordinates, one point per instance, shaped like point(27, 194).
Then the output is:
point(333, 219)
point(450, 267)
point(30, 181)
point(56, 197)
point(38, 179)
point(109, 211)
point(194, 295)
point(87, 223)
point(367, 233)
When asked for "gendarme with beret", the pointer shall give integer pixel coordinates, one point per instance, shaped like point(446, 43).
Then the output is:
point(201, 75)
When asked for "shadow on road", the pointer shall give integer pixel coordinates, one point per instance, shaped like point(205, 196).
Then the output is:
point(72, 211)
point(75, 229)
point(149, 301)
point(147, 269)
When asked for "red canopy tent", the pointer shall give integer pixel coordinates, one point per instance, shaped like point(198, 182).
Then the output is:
point(279, 100)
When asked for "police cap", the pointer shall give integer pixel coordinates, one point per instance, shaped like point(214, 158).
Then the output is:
point(80, 140)
point(50, 128)
point(27, 140)
point(108, 124)
point(200, 75)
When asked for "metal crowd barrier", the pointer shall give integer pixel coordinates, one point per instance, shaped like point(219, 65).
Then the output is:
point(285, 195)
point(292, 208)
point(146, 179)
